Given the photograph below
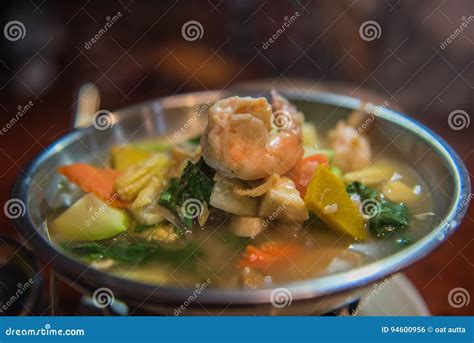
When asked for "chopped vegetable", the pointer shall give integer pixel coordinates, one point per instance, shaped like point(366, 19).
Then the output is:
point(149, 193)
point(149, 215)
point(372, 175)
point(389, 216)
point(195, 183)
point(398, 191)
point(304, 170)
point(246, 226)
point(162, 232)
point(89, 219)
point(152, 146)
point(310, 136)
point(362, 190)
point(138, 177)
point(99, 181)
point(326, 189)
point(224, 198)
point(270, 254)
point(283, 203)
point(135, 253)
point(124, 157)
point(195, 141)
point(165, 233)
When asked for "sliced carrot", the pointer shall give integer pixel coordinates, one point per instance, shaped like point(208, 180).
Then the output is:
point(99, 181)
point(301, 174)
point(268, 254)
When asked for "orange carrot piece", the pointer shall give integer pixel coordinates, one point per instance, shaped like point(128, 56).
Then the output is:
point(99, 181)
point(268, 254)
point(301, 174)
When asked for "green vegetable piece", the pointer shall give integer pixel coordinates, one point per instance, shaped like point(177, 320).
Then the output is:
point(361, 189)
point(389, 217)
point(89, 219)
point(195, 141)
point(134, 253)
point(195, 184)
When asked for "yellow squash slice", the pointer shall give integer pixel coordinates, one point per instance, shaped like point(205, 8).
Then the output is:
point(327, 198)
point(124, 157)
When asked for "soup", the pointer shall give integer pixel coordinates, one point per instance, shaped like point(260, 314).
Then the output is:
point(260, 198)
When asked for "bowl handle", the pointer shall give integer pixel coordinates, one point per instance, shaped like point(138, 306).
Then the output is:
point(88, 102)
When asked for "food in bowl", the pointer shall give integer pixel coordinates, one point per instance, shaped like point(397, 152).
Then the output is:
point(260, 198)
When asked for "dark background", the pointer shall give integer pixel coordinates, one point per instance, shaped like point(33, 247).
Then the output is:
point(144, 55)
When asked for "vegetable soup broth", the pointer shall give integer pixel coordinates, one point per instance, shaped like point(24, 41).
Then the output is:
point(170, 253)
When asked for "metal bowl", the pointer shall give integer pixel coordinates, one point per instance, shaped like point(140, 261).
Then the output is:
point(438, 165)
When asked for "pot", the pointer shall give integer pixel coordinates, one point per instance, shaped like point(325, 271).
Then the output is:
point(435, 161)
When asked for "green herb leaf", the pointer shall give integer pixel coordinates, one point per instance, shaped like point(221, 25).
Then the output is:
point(134, 253)
point(361, 189)
point(390, 217)
point(196, 183)
point(195, 141)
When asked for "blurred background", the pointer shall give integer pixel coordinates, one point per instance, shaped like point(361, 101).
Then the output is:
point(418, 55)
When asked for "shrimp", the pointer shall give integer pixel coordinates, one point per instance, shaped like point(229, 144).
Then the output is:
point(351, 150)
point(241, 141)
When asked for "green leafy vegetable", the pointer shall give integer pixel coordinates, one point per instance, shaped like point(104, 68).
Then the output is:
point(133, 253)
point(389, 217)
point(195, 141)
point(361, 189)
point(195, 183)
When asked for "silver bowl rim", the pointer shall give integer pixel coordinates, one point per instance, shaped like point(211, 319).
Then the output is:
point(301, 290)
